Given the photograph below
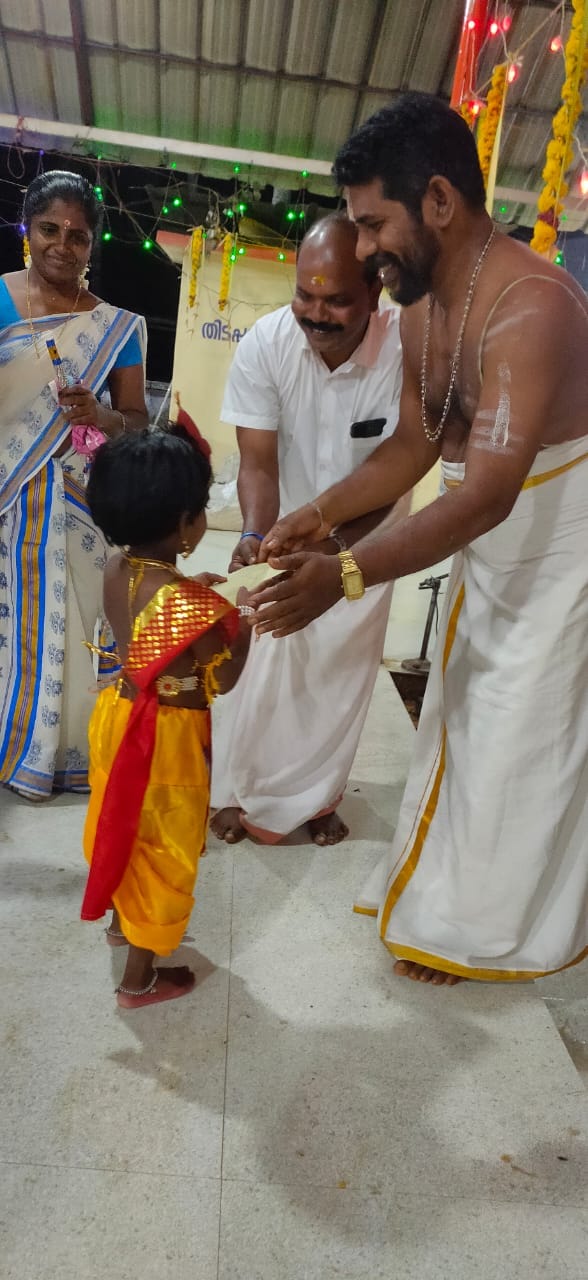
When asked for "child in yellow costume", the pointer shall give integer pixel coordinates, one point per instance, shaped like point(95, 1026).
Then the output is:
point(180, 643)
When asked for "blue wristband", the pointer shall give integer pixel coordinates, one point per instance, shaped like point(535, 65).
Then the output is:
point(250, 534)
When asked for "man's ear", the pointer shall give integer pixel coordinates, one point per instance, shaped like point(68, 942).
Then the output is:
point(439, 203)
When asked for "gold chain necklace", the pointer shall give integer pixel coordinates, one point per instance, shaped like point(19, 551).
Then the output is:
point(431, 433)
point(30, 316)
point(138, 565)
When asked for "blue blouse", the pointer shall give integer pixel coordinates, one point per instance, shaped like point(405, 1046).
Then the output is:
point(128, 355)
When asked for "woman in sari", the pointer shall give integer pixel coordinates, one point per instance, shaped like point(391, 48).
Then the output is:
point(51, 554)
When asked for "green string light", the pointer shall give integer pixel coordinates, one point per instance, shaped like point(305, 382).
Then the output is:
point(173, 165)
point(107, 235)
point(233, 257)
point(281, 257)
point(302, 214)
point(559, 259)
point(241, 252)
point(236, 168)
point(503, 208)
point(147, 244)
point(290, 215)
point(304, 173)
point(165, 209)
point(242, 208)
point(177, 200)
point(98, 192)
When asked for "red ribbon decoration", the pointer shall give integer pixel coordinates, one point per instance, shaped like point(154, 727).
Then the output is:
point(185, 421)
point(473, 34)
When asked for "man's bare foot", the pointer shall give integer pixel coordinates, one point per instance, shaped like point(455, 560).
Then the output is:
point(170, 984)
point(227, 825)
point(329, 829)
point(420, 973)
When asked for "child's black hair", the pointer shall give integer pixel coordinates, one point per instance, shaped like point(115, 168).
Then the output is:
point(142, 483)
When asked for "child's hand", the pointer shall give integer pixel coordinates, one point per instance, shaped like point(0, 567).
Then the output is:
point(208, 579)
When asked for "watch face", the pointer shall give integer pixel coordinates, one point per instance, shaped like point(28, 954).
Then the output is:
point(353, 584)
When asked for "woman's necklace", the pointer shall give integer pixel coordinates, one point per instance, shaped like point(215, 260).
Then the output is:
point(30, 316)
point(433, 434)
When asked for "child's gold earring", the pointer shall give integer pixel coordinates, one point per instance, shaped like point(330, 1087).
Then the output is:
point(186, 549)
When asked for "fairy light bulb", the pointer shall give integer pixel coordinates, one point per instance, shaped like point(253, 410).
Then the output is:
point(584, 182)
point(494, 28)
point(471, 25)
point(476, 108)
point(513, 72)
point(506, 23)
point(556, 45)
point(147, 244)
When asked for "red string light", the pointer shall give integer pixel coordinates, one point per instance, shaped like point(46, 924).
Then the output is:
point(556, 45)
point(471, 25)
point(506, 23)
point(584, 182)
point(494, 28)
point(513, 72)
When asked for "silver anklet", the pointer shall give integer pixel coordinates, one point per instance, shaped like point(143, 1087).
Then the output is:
point(114, 933)
point(125, 991)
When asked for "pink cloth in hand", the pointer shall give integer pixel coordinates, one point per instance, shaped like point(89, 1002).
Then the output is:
point(86, 440)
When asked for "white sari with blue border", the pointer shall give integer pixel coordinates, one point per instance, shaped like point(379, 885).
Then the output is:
point(51, 555)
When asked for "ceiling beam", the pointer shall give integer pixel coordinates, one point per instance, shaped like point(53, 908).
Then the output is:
point(82, 61)
point(62, 131)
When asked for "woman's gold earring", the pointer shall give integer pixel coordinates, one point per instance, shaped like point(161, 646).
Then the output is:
point(84, 277)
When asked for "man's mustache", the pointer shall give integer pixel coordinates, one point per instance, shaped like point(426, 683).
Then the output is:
point(322, 328)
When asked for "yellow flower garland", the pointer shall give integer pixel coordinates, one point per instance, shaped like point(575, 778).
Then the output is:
point(225, 280)
point(491, 119)
point(195, 260)
point(560, 151)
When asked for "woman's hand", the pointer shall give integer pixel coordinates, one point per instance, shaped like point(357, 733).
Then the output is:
point(289, 604)
point(81, 408)
point(293, 532)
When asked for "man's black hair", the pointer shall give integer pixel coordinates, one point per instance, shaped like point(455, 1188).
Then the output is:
point(405, 145)
point(142, 483)
point(60, 184)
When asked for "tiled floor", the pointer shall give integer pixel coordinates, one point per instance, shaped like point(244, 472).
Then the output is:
point(304, 1115)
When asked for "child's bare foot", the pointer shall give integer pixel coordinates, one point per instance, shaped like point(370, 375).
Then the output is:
point(167, 984)
point(227, 825)
point(329, 829)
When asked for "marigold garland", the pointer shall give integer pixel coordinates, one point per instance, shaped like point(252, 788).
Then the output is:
point(225, 280)
point(490, 120)
point(560, 151)
point(195, 260)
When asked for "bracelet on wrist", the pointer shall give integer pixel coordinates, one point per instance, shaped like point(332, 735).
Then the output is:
point(250, 533)
point(323, 523)
point(338, 539)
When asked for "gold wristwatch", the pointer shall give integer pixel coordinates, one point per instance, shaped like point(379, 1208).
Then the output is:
point(351, 577)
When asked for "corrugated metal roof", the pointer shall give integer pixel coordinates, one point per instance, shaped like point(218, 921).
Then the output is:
point(286, 76)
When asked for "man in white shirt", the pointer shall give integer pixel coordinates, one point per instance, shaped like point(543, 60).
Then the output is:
point(313, 389)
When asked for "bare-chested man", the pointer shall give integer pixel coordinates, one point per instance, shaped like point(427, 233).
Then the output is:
point(488, 872)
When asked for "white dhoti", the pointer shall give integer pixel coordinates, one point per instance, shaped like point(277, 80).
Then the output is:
point(285, 738)
point(487, 876)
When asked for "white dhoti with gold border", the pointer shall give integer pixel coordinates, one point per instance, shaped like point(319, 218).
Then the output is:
point(487, 876)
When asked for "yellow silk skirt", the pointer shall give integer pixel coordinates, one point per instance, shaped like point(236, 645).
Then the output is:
point(154, 899)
